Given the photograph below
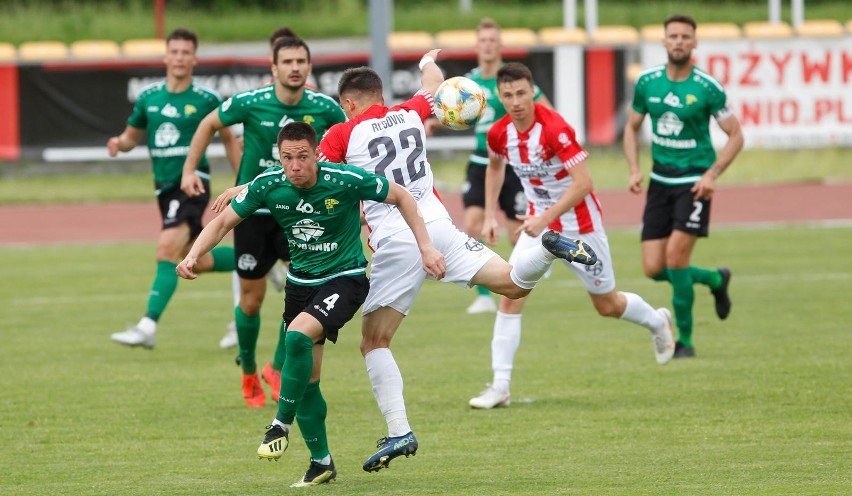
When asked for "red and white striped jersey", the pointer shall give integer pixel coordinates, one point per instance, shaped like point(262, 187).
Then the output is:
point(541, 157)
point(389, 142)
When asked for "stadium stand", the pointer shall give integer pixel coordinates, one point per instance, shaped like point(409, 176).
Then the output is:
point(562, 36)
point(7, 52)
point(615, 35)
point(42, 50)
point(718, 31)
point(652, 32)
point(518, 37)
point(139, 48)
point(819, 28)
point(95, 49)
point(410, 40)
point(767, 30)
point(456, 38)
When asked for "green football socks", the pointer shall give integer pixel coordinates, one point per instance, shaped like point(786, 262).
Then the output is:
point(295, 375)
point(280, 349)
point(165, 283)
point(248, 328)
point(223, 259)
point(682, 300)
point(311, 417)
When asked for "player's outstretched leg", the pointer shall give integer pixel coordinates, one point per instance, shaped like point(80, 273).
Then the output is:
point(390, 448)
point(567, 249)
point(317, 474)
point(274, 443)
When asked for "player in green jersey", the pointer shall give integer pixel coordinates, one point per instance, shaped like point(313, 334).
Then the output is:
point(681, 99)
point(511, 200)
point(259, 242)
point(169, 112)
point(317, 204)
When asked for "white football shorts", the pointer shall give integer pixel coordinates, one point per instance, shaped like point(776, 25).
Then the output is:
point(598, 278)
point(397, 269)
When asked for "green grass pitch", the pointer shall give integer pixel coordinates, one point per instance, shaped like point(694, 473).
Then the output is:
point(764, 409)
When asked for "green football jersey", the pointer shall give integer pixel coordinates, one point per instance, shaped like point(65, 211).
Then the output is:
point(322, 223)
point(680, 122)
point(263, 116)
point(170, 120)
point(494, 110)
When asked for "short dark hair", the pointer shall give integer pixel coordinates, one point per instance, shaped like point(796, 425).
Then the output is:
point(360, 79)
point(298, 131)
point(183, 34)
point(282, 32)
point(679, 18)
point(513, 71)
point(289, 42)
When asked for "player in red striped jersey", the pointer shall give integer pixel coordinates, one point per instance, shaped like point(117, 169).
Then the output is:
point(550, 163)
point(390, 142)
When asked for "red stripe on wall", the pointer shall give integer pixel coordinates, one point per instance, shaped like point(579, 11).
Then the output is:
point(10, 132)
point(600, 96)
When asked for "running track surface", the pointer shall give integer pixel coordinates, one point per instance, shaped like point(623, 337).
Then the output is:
point(139, 221)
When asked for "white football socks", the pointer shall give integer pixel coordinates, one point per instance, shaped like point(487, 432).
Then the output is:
point(531, 266)
point(504, 344)
point(387, 388)
point(640, 312)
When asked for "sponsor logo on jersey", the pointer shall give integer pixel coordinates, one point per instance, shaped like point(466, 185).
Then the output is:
point(153, 108)
point(242, 195)
point(564, 139)
point(247, 262)
point(267, 123)
point(542, 193)
point(189, 109)
point(167, 134)
point(170, 111)
point(279, 206)
point(669, 124)
point(227, 104)
point(264, 163)
point(306, 231)
point(654, 99)
point(672, 100)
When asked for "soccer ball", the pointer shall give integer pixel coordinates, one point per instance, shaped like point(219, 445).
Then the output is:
point(459, 102)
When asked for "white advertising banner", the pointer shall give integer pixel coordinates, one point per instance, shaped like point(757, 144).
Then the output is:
point(790, 93)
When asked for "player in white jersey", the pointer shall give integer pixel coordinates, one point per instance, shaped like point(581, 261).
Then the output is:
point(542, 148)
point(390, 143)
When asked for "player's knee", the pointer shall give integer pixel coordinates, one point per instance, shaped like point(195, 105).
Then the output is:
point(250, 304)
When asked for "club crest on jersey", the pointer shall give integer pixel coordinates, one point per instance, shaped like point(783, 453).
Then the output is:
point(690, 99)
point(189, 109)
point(330, 204)
point(308, 119)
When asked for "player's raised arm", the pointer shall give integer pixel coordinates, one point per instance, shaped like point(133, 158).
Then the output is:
point(432, 75)
point(190, 183)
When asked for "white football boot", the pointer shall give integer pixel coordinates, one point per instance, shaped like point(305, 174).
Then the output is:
point(664, 346)
point(135, 337)
point(490, 398)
